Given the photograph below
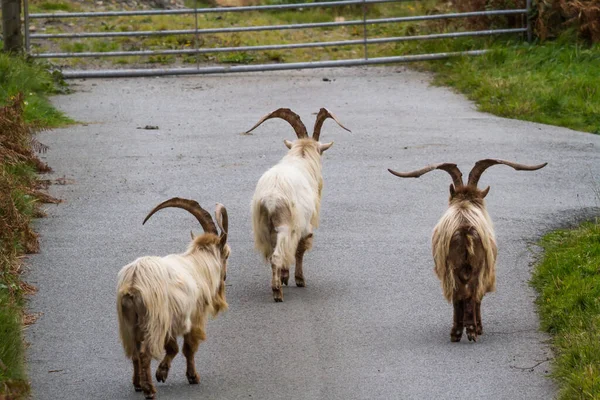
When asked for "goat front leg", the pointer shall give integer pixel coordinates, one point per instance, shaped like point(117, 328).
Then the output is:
point(470, 318)
point(457, 328)
point(171, 348)
point(303, 245)
point(191, 341)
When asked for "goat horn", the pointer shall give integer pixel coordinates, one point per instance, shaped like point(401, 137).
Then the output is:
point(482, 165)
point(289, 116)
point(452, 169)
point(222, 219)
point(192, 207)
point(321, 117)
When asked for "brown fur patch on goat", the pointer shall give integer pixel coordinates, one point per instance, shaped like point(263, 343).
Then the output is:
point(464, 237)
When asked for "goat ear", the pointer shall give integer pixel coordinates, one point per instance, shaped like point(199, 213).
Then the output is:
point(485, 192)
point(325, 146)
point(452, 190)
point(288, 144)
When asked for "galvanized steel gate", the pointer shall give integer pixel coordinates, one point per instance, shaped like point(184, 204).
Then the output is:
point(197, 32)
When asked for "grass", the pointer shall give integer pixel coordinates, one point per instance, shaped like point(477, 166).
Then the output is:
point(24, 107)
point(33, 80)
point(568, 281)
point(553, 83)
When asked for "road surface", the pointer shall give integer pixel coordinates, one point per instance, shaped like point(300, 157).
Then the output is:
point(372, 322)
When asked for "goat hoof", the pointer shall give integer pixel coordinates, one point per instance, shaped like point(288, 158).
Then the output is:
point(193, 379)
point(137, 388)
point(284, 280)
point(278, 295)
point(456, 334)
point(162, 372)
point(149, 391)
point(471, 333)
point(300, 282)
point(479, 330)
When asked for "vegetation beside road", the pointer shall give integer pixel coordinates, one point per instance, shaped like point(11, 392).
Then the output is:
point(24, 109)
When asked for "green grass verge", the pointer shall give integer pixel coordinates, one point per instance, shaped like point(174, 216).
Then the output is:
point(568, 281)
point(35, 82)
point(554, 83)
point(18, 201)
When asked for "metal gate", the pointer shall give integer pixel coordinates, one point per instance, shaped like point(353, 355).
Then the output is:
point(366, 41)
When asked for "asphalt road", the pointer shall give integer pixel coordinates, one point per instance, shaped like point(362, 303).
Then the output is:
point(372, 322)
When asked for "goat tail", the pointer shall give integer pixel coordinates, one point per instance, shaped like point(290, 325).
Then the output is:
point(143, 308)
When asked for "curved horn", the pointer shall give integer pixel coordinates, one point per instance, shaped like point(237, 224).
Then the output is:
point(192, 207)
point(321, 117)
point(289, 116)
point(452, 169)
point(222, 219)
point(482, 165)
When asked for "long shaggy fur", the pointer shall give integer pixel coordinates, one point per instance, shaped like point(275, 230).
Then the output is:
point(475, 217)
point(287, 202)
point(166, 296)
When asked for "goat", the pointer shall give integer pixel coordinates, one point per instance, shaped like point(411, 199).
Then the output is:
point(161, 298)
point(463, 245)
point(287, 200)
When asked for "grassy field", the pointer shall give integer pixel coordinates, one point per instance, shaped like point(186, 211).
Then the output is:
point(568, 280)
point(24, 107)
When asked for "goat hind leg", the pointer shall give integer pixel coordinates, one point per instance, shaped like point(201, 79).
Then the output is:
point(191, 341)
point(457, 328)
point(303, 245)
point(171, 348)
point(146, 374)
point(470, 319)
point(276, 283)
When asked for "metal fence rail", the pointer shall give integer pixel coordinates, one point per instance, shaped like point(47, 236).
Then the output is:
point(197, 32)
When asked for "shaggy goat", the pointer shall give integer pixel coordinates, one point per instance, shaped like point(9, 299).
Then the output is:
point(161, 298)
point(463, 244)
point(287, 200)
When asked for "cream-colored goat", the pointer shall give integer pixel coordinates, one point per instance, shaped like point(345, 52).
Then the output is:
point(287, 200)
point(464, 246)
point(161, 298)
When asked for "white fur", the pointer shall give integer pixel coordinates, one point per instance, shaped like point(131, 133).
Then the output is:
point(177, 292)
point(286, 203)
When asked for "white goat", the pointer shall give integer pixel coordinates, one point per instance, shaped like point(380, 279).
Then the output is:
point(287, 200)
point(161, 298)
point(463, 245)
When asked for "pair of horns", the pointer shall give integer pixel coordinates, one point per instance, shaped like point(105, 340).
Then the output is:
point(201, 215)
point(474, 175)
point(294, 120)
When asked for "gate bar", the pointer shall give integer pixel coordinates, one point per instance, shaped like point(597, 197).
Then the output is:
point(281, 46)
point(277, 27)
point(132, 73)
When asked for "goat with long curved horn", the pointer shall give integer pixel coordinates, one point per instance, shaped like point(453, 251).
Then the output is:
point(482, 165)
point(287, 201)
point(464, 245)
point(452, 169)
point(162, 298)
point(288, 115)
point(321, 117)
point(192, 207)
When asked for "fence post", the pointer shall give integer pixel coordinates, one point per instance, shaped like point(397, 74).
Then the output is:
point(528, 19)
point(364, 9)
point(11, 26)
